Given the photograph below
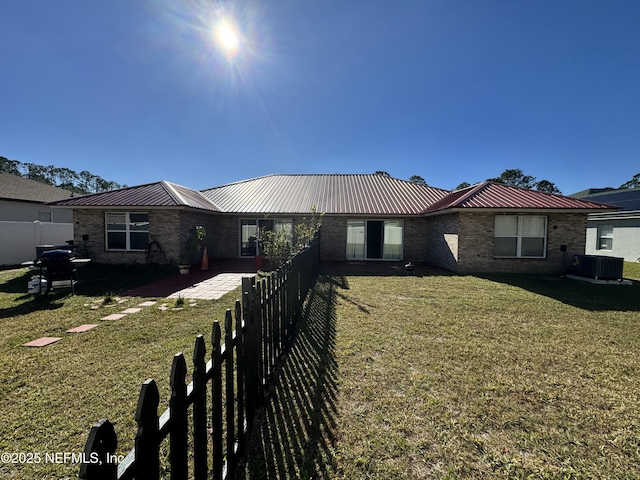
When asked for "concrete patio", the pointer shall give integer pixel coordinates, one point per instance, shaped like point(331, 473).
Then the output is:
point(222, 277)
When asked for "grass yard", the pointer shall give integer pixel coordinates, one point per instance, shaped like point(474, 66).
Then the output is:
point(51, 396)
point(496, 376)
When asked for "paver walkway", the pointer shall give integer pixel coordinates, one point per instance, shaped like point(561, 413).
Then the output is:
point(213, 288)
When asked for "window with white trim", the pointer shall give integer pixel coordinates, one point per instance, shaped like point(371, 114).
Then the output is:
point(605, 237)
point(520, 236)
point(127, 231)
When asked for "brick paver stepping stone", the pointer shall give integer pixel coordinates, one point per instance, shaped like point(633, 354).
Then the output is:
point(163, 307)
point(41, 342)
point(83, 328)
point(131, 310)
point(147, 304)
point(114, 316)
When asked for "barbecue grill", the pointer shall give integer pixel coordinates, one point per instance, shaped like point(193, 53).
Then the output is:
point(59, 266)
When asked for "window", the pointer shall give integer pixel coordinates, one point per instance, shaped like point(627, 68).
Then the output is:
point(520, 236)
point(127, 231)
point(374, 239)
point(250, 233)
point(44, 216)
point(605, 237)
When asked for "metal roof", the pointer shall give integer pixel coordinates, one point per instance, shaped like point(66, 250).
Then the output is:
point(159, 194)
point(501, 196)
point(363, 194)
point(14, 187)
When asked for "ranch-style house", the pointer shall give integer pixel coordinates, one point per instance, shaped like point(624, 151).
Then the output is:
point(487, 227)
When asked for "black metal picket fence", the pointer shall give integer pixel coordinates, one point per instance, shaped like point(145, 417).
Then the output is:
point(208, 421)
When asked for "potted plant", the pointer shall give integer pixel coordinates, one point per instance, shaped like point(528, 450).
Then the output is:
point(192, 246)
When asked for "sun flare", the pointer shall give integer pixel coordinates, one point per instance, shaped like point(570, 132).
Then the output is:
point(227, 37)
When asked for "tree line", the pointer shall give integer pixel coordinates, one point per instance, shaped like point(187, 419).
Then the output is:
point(82, 183)
point(517, 178)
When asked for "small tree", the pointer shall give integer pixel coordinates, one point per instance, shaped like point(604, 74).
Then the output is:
point(279, 246)
point(276, 245)
point(307, 230)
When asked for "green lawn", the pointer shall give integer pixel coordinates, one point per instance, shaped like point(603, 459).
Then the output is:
point(497, 376)
point(390, 377)
point(51, 396)
point(632, 270)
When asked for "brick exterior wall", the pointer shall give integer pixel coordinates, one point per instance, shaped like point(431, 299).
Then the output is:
point(416, 239)
point(226, 243)
point(226, 240)
point(188, 219)
point(333, 238)
point(476, 246)
point(461, 242)
point(168, 227)
point(442, 241)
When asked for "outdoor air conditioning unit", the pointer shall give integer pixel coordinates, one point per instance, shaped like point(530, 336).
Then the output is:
point(599, 267)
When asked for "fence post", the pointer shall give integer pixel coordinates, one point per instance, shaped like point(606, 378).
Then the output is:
point(147, 444)
point(102, 443)
point(248, 312)
point(216, 400)
point(199, 410)
point(178, 419)
point(229, 394)
point(267, 300)
point(283, 303)
point(268, 329)
point(257, 323)
point(240, 369)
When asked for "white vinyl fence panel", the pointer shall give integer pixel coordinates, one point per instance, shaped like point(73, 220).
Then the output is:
point(18, 240)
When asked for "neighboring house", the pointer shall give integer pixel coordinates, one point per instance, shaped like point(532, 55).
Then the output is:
point(615, 234)
point(27, 221)
point(486, 227)
point(24, 200)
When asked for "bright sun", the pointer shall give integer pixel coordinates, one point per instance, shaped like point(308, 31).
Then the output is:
point(227, 37)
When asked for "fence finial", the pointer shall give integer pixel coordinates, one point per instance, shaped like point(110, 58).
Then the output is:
point(147, 442)
point(101, 444)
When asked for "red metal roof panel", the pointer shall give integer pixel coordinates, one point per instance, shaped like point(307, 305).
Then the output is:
point(498, 195)
point(159, 194)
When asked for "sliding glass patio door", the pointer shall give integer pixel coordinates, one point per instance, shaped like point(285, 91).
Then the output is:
point(374, 239)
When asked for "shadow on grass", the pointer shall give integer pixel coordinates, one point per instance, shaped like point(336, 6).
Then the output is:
point(579, 294)
point(100, 279)
point(294, 435)
point(17, 284)
point(94, 280)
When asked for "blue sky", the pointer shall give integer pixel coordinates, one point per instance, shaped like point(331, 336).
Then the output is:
point(137, 91)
